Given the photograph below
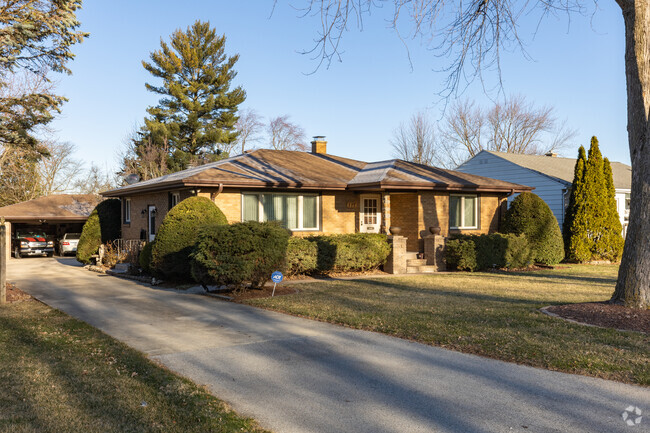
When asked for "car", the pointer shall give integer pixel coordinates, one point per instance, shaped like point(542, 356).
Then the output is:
point(68, 243)
point(28, 242)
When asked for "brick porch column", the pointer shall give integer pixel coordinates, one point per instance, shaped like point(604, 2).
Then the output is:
point(396, 262)
point(434, 251)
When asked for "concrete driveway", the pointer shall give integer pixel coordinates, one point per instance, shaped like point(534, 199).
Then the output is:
point(298, 375)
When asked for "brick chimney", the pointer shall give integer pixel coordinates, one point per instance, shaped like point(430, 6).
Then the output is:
point(319, 145)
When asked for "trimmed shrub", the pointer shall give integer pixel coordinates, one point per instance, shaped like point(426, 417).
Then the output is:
point(237, 254)
point(301, 257)
point(355, 252)
point(102, 226)
point(144, 259)
point(177, 235)
point(474, 253)
point(530, 215)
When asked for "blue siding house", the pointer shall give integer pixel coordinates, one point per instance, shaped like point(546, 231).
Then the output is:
point(550, 175)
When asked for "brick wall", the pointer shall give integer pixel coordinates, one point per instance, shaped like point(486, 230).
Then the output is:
point(404, 213)
point(139, 221)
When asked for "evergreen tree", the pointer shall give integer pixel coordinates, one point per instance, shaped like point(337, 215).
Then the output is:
point(576, 237)
point(609, 245)
point(37, 36)
point(197, 113)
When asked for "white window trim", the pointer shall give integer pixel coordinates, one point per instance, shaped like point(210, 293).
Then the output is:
point(127, 211)
point(462, 212)
point(176, 198)
point(300, 228)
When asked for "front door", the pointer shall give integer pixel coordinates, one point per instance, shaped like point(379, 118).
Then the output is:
point(370, 213)
point(152, 222)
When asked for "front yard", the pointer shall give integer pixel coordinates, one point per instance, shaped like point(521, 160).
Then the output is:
point(490, 314)
point(60, 375)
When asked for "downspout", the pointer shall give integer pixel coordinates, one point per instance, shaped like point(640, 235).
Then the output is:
point(214, 195)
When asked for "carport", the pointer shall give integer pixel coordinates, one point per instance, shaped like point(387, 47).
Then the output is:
point(55, 215)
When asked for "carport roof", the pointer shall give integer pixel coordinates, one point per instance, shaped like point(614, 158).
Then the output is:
point(55, 208)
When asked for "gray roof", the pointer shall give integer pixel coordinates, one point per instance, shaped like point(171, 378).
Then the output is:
point(58, 207)
point(562, 168)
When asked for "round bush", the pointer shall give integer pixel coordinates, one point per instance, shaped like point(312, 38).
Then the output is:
point(530, 215)
point(240, 253)
point(144, 260)
point(177, 235)
point(103, 225)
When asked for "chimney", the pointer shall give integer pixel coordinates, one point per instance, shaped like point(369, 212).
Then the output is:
point(551, 154)
point(319, 145)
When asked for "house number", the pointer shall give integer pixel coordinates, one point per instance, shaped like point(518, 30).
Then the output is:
point(352, 204)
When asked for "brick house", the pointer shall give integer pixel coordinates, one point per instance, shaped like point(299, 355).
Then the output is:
point(314, 192)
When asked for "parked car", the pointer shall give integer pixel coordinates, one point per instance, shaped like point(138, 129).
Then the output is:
point(31, 243)
point(68, 243)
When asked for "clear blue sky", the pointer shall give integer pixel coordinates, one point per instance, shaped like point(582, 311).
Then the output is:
point(357, 103)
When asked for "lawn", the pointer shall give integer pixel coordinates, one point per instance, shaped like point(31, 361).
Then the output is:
point(490, 314)
point(60, 375)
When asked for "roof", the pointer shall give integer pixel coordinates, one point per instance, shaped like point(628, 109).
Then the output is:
point(563, 168)
point(265, 168)
point(60, 207)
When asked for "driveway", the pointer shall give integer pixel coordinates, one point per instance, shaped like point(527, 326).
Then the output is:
point(298, 375)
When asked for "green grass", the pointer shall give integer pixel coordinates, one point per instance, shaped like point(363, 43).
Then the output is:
point(58, 374)
point(490, 314)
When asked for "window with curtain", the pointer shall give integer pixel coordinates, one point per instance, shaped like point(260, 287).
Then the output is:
point(293, 211)
point(463, 211)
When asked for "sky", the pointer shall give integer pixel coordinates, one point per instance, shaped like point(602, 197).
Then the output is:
point(575, 66)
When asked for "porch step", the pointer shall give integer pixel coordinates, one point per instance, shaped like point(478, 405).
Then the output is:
point(424, 269)
point(411, 256)
point(416, 262)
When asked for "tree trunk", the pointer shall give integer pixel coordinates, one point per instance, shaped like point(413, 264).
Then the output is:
point(633, 285)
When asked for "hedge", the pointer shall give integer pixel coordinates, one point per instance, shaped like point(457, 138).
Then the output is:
point(357, 252)
point(144, 260)
point(177, 235)
point(530, 215)
point(103, 225)
point(481, 252)
point(239, 254)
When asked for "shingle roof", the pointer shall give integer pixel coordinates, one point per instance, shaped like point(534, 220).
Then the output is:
point(60, 207)
point(292, 169)
point(562, 168)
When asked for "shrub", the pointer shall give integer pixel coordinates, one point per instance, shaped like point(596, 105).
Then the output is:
point(103, 225)
point(145, 257)
point(472, 253)
point(177, 236)
point(240, 253)
point(357, 252)
point(530, 215)
point(301, 257)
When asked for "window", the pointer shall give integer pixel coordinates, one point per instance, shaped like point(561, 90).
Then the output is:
point(126, 207)
point(175, 198)
point(463, 212)
point(293, 211)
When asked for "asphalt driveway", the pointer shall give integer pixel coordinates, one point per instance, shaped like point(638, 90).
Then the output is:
point(298, 375)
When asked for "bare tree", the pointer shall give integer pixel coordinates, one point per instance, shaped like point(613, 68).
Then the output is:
point(285, 135)
point(512, 126)
point(95, 181)
point(474, 33)
point(141, 156)
point(249, 125)
point(416, 140)
point(19, 178)
point(58, 171)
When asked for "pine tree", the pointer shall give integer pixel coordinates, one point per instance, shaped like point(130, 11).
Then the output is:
point(197, 112)
point(37, 37)
point(576, 237)
point(609, 246)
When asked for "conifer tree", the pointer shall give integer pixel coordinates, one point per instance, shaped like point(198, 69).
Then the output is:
point(609, 246)
point(197, 112)
point(576, 237)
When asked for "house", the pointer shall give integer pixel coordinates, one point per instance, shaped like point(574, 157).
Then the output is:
point(551, 176)
point(54, 215)
point(314, 192)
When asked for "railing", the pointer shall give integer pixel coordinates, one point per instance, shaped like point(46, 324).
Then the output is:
point(128, 250)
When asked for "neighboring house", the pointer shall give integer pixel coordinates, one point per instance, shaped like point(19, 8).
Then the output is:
point(551, 176)
point(54, 215)
point(313, 192)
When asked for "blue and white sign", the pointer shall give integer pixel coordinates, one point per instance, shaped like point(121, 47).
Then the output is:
point(276, 277)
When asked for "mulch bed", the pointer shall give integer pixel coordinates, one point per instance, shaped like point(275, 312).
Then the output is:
point(605, 315)
point(15, 295)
